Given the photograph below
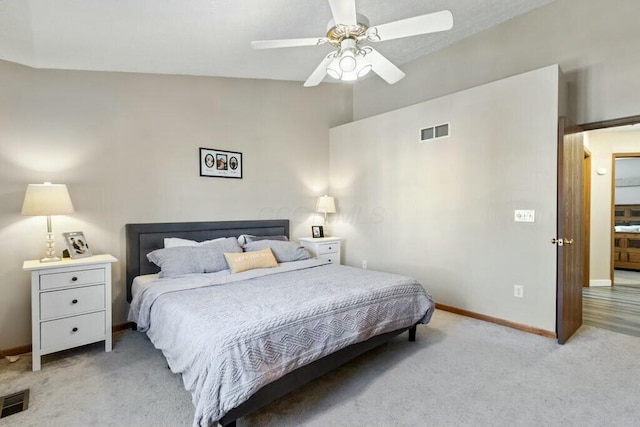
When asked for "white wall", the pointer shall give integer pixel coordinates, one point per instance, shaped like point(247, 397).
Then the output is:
point(603, 144)
point(442, 211)
point(127, 147)
point(594, 41)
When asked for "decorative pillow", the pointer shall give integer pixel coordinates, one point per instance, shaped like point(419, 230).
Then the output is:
point(243, 239)
point(207, 258)
point(173, 242)
point(283, 251)
point(250, 260)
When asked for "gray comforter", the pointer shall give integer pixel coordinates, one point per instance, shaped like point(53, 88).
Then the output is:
point(229, 335)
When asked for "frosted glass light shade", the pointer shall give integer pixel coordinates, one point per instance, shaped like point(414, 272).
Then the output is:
point(326, 205)
point(47, 199)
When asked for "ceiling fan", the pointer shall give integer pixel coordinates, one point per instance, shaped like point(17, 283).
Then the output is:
point(349, 31)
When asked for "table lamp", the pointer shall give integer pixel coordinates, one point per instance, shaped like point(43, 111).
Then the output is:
point(45, 200)
point(326, 205)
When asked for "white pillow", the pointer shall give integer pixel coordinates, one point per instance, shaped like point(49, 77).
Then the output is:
point(243, 239)
point(174, 242)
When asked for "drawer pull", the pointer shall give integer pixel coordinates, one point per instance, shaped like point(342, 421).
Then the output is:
point(330, 248)
point(74, 279)
point(74, 330)
point(75, 301)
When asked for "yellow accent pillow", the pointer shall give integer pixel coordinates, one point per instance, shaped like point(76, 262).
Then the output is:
point(243, 261)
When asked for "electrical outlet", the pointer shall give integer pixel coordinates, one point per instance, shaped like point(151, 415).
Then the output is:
point(518, 291)
point(364, 264)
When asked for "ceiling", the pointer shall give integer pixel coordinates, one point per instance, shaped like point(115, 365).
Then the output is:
point(212, 37)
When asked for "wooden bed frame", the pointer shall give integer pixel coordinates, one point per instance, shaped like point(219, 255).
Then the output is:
point(144, 238)
point(626, 246)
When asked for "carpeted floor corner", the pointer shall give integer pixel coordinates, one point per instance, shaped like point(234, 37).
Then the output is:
point(460, 372)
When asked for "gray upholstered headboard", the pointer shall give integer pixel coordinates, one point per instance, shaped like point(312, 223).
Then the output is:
point(144, 238)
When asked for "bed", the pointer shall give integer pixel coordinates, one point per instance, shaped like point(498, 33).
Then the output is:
point(626, 241)
point(234, 360)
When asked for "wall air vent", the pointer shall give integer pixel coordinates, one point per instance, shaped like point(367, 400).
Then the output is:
point(14, 403)
point(434, 132)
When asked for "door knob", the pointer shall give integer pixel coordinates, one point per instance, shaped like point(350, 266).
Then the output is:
point(562, 242)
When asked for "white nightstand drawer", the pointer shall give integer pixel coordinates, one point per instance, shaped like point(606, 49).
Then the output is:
point(332, 258)
point(72, 331)
point(328, 248)
point(73, 278)
point(71, 301)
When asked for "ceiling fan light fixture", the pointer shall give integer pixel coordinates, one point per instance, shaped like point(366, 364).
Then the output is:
point(349, 76)
point(348, 61)
point(333, 70)
point(349, 65)
point(333, 73)
point(364, 66)
point(364, 70)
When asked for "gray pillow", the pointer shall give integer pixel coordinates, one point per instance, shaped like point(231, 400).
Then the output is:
point(243, 239)
point(283, 251)
point(207, 258)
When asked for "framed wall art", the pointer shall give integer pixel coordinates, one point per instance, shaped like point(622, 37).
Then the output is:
point(77, 244)
point(220, 163)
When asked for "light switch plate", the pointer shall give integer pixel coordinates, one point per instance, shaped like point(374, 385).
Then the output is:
point(520, 215)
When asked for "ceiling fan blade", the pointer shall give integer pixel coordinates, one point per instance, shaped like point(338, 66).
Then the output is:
point(318, 74)
point(383, 67)
point(343, 11)
point(273, 44)
point(423, 24)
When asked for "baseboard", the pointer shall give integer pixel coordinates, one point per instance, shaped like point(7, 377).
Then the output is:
point(520, 327)
point(121, 327)
point(595, 283)
point(17, 350)
point(23, 349)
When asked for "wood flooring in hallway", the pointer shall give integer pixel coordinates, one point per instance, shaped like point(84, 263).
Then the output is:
point(616, 308)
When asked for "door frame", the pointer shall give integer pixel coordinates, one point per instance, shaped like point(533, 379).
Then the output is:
point(586, 217)
point(613, 123)
point(606, 124)
point(585, 127)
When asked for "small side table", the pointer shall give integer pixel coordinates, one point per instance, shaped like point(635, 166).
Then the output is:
point(327, 248)
point(70, 304)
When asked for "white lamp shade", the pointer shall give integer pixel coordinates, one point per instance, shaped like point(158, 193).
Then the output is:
point(47, 199)
point(326, 204)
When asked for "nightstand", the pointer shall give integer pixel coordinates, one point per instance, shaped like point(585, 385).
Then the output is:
point(327, 248)
point(70, 304)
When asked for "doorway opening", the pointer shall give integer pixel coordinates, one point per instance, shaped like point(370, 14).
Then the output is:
point(611, 298)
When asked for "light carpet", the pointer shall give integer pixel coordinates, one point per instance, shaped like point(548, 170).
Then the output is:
point(460, 372)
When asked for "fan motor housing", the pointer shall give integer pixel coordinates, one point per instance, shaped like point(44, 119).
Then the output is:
point(339, 32)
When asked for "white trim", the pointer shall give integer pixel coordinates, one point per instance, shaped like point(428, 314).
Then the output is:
point(596, 283)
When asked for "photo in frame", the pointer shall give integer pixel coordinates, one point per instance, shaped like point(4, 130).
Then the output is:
point(76, 244)
point(220, 163)
point(317, 231)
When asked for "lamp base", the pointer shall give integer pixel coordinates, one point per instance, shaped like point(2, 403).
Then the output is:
point(50, 259)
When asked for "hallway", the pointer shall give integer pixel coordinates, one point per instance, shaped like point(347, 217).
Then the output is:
point(615, 308)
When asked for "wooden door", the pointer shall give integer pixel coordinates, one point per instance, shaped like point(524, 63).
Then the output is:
point(570, 231)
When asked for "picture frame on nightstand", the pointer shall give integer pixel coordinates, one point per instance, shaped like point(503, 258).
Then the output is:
point(77, 244)
point(317, 231)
